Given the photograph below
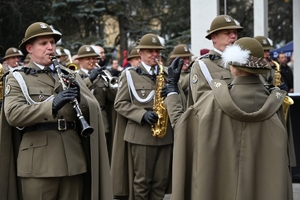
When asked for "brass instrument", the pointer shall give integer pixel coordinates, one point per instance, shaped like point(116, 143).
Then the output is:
point(109, 80)
point(86, 129)
point(277, 81)
point(72, 66)
point(159, 129)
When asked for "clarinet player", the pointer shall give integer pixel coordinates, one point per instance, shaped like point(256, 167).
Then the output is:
point(54, 160)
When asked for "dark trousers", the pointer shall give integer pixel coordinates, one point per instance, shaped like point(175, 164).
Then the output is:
point(152, 169)
point(53, 188)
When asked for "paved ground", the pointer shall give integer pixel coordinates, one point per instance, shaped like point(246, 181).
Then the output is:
point(296, 189)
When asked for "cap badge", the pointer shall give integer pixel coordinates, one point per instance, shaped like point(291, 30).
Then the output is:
point(227, 19)
point(43, 26)
point(185, 49)
point(88, 48)
point(15, 50)
point(154, 40)
point(264, 41)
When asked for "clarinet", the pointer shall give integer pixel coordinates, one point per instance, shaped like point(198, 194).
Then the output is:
point(86, 129)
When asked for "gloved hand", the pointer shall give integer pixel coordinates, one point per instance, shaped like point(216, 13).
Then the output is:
point(174, 72)
point(64, 97)
point(95, 72)
point(150, 117)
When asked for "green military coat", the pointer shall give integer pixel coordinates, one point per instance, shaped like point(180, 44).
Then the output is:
point(91, 153)
point(198, 83)
point(129, 128)
point(231, 144)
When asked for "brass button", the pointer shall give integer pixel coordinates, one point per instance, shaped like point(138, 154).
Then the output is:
point(31, 144)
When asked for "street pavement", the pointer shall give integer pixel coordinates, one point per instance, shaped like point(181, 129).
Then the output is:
point(296, 190)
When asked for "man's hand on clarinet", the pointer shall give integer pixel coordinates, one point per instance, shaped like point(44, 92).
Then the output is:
point(63, 97)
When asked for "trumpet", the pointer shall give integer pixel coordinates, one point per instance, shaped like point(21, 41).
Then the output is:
point(72, 66)
point(109, 80)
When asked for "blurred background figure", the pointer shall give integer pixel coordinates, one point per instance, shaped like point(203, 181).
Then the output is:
point(185, 54)
point(62, 56)
point(115, 68)
point(291, 62)
point(286, 72)
point(75, 60)
point(203, 51)
point(133, 59)
point(102, 59)
point(268, 78)
point(12, 58)
point(26, 60)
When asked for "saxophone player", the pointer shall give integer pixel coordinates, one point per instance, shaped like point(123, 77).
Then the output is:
point(269, 78)
point(147, 159)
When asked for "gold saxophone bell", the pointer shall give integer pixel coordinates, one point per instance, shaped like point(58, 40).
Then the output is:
point(159, 129)
point(72, 66)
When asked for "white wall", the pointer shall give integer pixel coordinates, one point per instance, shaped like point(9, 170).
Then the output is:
point(202, 14)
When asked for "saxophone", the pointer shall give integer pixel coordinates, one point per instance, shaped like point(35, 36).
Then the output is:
point(277, 81)
point(159, 129)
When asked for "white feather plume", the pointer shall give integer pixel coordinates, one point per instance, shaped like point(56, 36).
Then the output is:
point(234, 54)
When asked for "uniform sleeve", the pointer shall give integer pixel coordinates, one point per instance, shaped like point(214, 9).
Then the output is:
point(175, 108)
point(18, 112)
point(123, 104)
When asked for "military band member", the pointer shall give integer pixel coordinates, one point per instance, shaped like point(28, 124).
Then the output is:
point(245, 156)
point(268, 79)
point(273, 79)
point(141, 163)
point(223, 32)
point(133, 59)
point(185, 54)
point(12, 58)
point(105, 94)
point(26, 60)
point(62, 56)
point(44, 145)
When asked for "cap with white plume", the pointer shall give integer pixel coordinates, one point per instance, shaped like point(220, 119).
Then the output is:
point(247, 54)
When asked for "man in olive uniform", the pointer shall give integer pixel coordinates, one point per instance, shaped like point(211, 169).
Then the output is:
point(133, 59)
point(141, 163)
point(12, 58)
point(185, 54)
point(223, 32)
point(268, 79)
point(44, 143)
point(105, 95)
point(232, 143)
point(61, 55)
